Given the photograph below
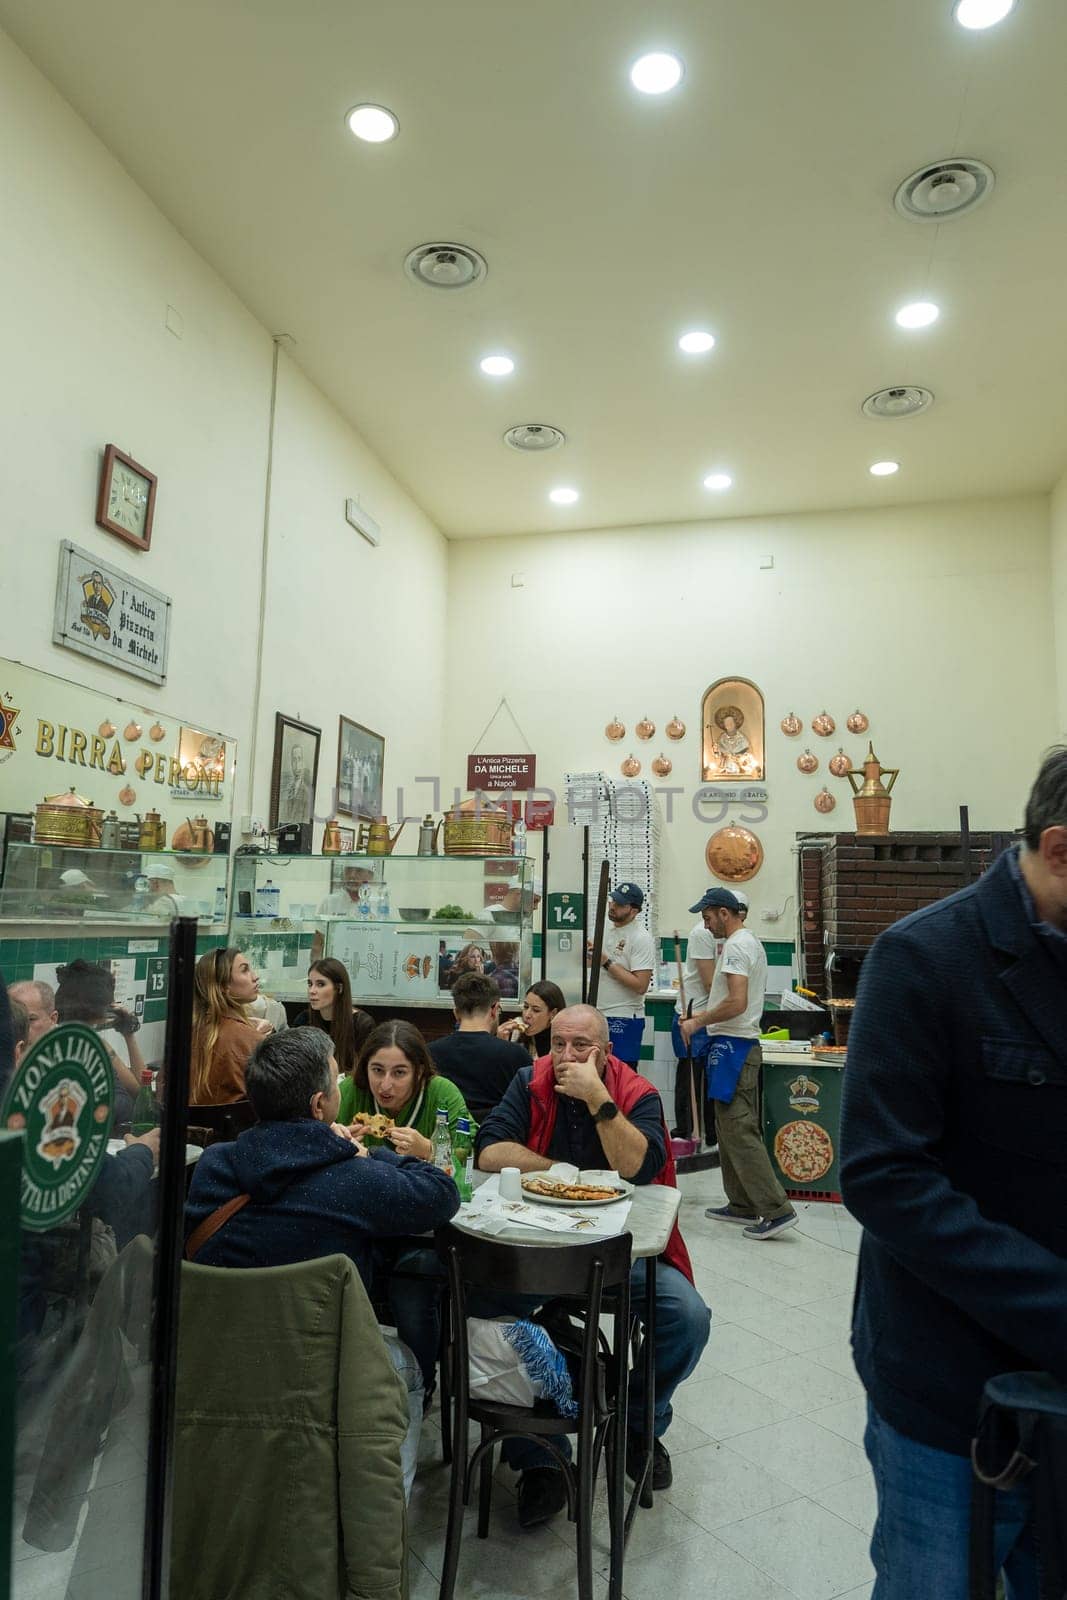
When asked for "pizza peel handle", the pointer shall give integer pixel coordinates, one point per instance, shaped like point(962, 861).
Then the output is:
point(598, 935)
point(697, 1130)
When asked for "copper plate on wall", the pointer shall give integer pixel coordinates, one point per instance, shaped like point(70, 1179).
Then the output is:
point(676, 729)
point(791, 725)
point(857, 722)
point(734, 854)
point(615, 730)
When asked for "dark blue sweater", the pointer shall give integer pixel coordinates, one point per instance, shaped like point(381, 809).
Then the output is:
point(312, 1195)
point(954, 1156)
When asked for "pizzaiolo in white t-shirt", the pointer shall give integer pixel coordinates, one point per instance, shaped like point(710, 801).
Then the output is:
point(743, 954)
point(632, 947)
point(700, 946)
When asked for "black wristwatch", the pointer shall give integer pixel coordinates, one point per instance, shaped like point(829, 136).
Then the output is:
point(606, 1112)
point(604, 965)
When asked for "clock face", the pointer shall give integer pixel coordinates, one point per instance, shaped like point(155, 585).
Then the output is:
point(128, 498)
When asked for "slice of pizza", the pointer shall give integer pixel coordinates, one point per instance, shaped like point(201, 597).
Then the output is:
point(373, 1125)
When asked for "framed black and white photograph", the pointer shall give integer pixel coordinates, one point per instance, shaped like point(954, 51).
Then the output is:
point(360, 764)
point(296, 767)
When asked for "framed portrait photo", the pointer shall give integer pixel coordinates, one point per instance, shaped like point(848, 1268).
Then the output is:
point(296, 768)
point(360, 765)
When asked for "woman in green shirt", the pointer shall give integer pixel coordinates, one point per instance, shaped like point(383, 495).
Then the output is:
point(395, 1077)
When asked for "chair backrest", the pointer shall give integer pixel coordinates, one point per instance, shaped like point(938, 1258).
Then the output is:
point(572, 1272)
point(555, 1271)
point(284, 1380)
point(224, 1121)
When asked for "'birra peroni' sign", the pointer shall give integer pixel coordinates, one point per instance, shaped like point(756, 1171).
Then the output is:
point(60, 1098)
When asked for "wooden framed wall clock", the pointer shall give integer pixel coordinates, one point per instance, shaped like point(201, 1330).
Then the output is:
point(127, 498)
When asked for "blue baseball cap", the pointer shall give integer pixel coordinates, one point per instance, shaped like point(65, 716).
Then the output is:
point(628, 894)
point(718, 897)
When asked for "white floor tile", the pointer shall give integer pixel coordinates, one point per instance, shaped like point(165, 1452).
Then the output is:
point(660, 1526)
point(800, 1383)
point(715, 1486)
point(855, 1500)
point(732, 1349)
point(802, 1453)
point(511, 1562)
point(804, 1547)
point(729, 1300)
point(846, 1417)
point(836, 1310)
point(700, 1569)
point(796, 1329)
point(723, 1406)
point(684, 1435)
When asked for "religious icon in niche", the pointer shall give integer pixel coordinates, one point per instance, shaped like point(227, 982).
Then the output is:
point(733, 734)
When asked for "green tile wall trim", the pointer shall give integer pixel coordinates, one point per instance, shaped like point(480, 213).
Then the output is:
point(779, 951)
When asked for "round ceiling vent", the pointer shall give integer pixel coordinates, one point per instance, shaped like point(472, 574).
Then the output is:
point(944, 189)
point(535, 437)
point(445, 266)
point(905, 401)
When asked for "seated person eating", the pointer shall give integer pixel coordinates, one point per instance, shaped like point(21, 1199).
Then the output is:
point(394, 1096)
point(583, 1106)
point(479, 1063)
point(312, 1189)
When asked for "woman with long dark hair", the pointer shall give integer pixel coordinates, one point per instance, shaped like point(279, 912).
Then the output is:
point(395, 1078)
point(330, 1007)
point(534, 1027)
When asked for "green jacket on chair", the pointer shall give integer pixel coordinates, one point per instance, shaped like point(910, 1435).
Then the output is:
point(288, 1425)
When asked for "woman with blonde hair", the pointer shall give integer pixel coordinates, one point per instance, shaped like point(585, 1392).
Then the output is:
point(223, 1036)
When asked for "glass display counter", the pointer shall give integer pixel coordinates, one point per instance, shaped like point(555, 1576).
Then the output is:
point(96, 888)
point(404, 926)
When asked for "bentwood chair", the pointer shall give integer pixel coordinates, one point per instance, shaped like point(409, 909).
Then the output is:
point(585, 1280)
point(218, 1124)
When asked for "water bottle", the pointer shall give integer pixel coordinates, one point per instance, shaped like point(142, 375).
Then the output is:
point(442, 1144)
point(383, 903)
point(268, 899)
point(518, 838)
point(220, 903)
point(463, 1158)
point(145, 1114)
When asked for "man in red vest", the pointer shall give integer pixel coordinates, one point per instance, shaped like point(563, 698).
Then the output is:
point(581, 1105)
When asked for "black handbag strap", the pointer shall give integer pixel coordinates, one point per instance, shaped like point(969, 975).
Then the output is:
point(1021, 1438)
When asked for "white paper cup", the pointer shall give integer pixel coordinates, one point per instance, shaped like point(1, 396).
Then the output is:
point(510, 1183)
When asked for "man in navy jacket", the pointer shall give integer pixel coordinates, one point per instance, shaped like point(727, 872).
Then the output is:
point(954, 1158)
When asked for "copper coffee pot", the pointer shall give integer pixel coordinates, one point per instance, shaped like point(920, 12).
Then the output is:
point(872, 797)
point(331, 838)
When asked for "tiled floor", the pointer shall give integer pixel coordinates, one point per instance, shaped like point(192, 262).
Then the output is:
point(772, 1497)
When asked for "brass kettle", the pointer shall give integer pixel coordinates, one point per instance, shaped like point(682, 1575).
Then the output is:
point(153, 835)
point(380, 841)
point(871, 797)
point(331, 838)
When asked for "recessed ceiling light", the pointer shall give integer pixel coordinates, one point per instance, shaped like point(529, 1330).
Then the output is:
point(697, 342)
point(657, 73)
point(884, 469)
point(920, 314)
point(497, 366)
point(563, 496)
point(982, 13)
point(718, 480)
point(373, 124)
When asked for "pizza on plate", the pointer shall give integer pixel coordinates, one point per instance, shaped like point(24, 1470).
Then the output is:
point(553, 1189)
point(804, 1151)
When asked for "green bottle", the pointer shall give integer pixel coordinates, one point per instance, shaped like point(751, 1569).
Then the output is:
point(463, 1158)
point(145, 1114)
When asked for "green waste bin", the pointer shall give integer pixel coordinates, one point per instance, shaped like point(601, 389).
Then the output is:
point(802, 1124)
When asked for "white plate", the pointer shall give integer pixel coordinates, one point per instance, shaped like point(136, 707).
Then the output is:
point(625, 1190)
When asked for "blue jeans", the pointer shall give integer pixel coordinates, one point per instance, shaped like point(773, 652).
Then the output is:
point(415, 1284)
point(683, 1323)
point(407, 1369)
point(919, 1544)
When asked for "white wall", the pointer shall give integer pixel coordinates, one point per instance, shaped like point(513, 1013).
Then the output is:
point(351, 629)
point(935, 620)
point(87, 273)
point(1058, 531)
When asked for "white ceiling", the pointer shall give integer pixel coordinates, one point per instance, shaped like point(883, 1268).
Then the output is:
point(756, 201)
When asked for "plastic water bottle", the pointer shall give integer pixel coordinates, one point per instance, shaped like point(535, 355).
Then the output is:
point(382, 909)
point(463, 1158)
point(268, 899)
point(518, 838)
point(145, 1114)
point(442, 1144)
point(220, 903)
